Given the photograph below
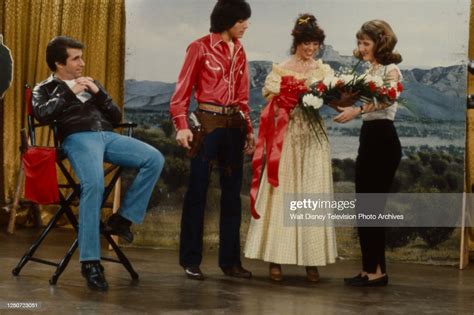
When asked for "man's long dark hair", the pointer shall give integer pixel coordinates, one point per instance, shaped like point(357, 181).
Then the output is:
point(228, 12)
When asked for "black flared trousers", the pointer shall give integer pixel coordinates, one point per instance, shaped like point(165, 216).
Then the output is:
point(224, 146)
point(377, 161)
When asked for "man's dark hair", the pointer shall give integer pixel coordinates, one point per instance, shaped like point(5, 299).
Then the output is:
point(57, 50)
point(228, 12)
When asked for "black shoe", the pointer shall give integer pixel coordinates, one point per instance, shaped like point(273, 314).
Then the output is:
point(94, 274)
point(118, 225)
point(365, 282)
point(352, 279)
point(236, 271)
point(194, 273)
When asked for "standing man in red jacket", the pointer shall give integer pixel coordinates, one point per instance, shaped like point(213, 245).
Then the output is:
point(216, 67)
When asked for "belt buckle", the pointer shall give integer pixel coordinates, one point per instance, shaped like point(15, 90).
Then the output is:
point(230, 110)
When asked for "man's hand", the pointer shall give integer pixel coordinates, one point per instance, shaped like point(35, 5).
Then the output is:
point(249, 147)
point(183, 137)
point(79, 88)
point(347, 114)
point(91, 87)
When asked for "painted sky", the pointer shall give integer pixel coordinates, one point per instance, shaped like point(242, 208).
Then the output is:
point(430, 32)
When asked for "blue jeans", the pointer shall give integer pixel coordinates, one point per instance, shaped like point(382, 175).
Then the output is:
point(87, 152)
point(223, 145)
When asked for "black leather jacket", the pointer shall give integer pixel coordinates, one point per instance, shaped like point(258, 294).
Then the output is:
point(53, 100)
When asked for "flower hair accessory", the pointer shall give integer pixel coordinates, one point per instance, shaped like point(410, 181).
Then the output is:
point(303, 21)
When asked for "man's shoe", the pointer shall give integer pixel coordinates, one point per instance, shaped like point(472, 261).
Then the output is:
point(118, 225)
point(236, 271)
point(194, 273)
point(94, 274)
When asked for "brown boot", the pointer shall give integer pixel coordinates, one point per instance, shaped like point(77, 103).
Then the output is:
point(275, 272)
point(312, 274)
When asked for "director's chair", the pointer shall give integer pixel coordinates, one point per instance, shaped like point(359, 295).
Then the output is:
point(67, 198)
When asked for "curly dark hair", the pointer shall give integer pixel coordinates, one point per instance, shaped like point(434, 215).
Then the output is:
point(228, 12)
point(384, 40)
point(306, 29)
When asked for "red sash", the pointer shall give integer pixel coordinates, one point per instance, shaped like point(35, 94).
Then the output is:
point(271, 134)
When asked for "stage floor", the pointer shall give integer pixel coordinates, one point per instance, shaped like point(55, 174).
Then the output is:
point(163, 288)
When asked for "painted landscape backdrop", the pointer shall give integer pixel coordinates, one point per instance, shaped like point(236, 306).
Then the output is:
point(433, 114)
point(431, 124)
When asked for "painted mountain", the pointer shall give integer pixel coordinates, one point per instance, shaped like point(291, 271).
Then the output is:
point(436, 94)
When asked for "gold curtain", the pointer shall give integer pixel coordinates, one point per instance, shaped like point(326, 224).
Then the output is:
point(28, 25)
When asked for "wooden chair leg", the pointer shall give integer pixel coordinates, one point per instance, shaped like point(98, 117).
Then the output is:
point(20, 183)
point(116, 206)
point(464, 246)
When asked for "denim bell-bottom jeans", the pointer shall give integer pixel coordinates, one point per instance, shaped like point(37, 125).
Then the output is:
point(87, 151)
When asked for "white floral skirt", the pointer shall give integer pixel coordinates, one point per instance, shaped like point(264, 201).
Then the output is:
point(305, 167)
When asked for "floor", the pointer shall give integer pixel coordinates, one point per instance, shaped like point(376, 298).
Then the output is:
point(162, 288)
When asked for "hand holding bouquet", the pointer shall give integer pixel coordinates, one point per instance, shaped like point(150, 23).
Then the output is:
point(368, 88)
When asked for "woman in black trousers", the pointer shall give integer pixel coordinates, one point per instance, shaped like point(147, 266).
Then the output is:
point(379, 147)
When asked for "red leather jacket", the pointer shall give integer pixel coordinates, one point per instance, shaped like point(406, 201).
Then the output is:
point(216, 77)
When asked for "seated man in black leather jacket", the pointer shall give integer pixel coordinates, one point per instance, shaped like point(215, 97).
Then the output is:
point(85, 115)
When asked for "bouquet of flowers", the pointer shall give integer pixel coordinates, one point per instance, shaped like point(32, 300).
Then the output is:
point(375, 90)
point(331, 87)
point(310, 104)
point(369, 88)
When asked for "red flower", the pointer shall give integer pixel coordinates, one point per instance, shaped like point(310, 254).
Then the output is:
point(383, 91)
point(290, 86)
point(321, 87)
point(392, 94)
point(372, 87)
point(399, 87)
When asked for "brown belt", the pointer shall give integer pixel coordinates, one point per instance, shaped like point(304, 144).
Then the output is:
point(209, 121)
point(217, 109)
